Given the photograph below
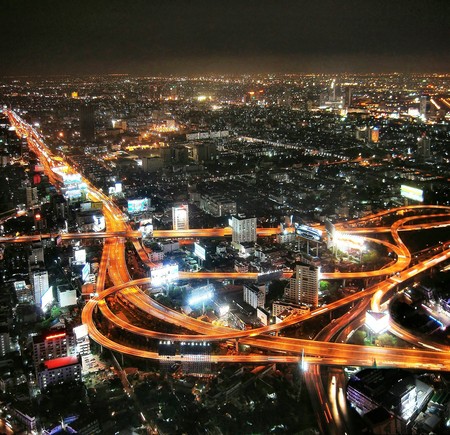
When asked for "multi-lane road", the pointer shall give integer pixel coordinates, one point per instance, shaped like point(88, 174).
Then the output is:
point(282, 349)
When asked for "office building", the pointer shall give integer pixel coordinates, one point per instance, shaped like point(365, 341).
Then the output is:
point(424, 106)
point(255, 296)
point(180, 217)
point(243, 229)
point(58, 371)
point(36, 256)
point(53, 345)
point(5, 341)
point(40, 285)
point(31, 194)
point(87, 123)
point(304, 285)
point(423, 148)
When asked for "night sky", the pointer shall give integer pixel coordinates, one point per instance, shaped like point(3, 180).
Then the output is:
point(228, 36)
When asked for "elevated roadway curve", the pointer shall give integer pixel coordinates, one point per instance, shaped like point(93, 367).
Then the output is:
point(113, 263)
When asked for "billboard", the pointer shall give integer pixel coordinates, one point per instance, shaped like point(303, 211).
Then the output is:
point(67, 298)
point(199, 251)
point(80, 256)
point(136, 206)
point(411, 193)
point(164, 275)
point(47, 298)
point(201, 294)
point(308, 232)
point(71, 179)
point(85, 272)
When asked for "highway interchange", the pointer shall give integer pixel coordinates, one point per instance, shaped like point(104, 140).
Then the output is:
point(329, 404)
point(283, 349)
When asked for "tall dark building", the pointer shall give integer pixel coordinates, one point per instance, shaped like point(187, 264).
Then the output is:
point(87, 123)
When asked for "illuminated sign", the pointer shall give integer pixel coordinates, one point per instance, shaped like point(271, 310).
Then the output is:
point(80, 256)
point(53, 336)
point(164, 275)
point(199, 251)
point(201, 294)
point(308, 232)
point(411, 193)
point(85, 272)
point(136, 206)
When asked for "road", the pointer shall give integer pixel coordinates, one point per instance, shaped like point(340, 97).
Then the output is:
point(289, 350)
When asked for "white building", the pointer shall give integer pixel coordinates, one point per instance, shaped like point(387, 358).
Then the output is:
point(304, 285)
point(180, 217)
point(254, 296)
point(53, 345)
point(59, 370)
point(243, 229)
point(40, 285)
point(279, 307)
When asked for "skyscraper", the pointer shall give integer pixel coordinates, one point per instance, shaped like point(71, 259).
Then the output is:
point(304, 285)
point(244, 229)
point(423, 148)
point(40, 285)
point(87, 123)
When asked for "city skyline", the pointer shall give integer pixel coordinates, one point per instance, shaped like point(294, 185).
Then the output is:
point(198, 37)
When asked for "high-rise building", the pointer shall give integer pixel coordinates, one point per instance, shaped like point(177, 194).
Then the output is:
point(36, 256)
point(423, 148)
point(424, 106)
point(59, 370)
point(304, 285)
point(5, 341)
point(53, 345)
point(180, 217)
point(31, 196)
point(243, 229)
point(87, 123)
point(40, 284)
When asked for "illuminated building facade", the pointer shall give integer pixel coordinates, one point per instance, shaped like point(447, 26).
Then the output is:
point(40, 285)
point(304, 285)
point(59, 370)
point(53, 345)
point(180, 217)
point(244, 229)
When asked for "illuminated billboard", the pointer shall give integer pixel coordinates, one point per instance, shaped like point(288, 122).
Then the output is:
point(308, 232)
point(411, 193)
point(200, 251)
point(85, 272)
point(164, 275)
point(80, 256)
point(136, 206)
point(47, 299)
point(201, 294)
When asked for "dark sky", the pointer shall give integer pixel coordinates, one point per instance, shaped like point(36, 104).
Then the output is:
point(229, 36)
